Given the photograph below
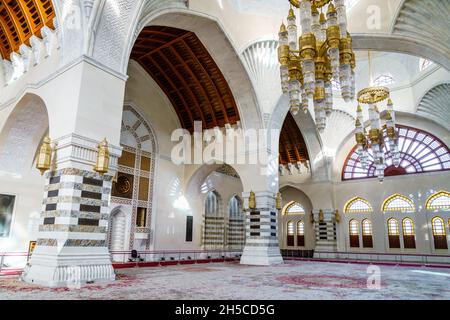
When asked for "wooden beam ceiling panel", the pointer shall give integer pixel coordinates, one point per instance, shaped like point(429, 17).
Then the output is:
point(292, 146)
point(194, 86)
point(20, 20)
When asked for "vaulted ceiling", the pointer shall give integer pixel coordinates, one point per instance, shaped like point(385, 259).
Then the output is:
point(19, 20)
point(292, 147)
point(177, 60)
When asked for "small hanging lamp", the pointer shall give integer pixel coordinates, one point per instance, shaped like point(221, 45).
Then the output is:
point(252, 200)
point(45, 156)
point(102, 165)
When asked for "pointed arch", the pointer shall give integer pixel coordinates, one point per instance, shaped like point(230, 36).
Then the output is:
point(357, 204)
point(398, 202)
point(438, 201)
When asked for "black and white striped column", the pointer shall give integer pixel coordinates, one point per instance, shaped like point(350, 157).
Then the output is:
point(261, 246)
point(71, 248)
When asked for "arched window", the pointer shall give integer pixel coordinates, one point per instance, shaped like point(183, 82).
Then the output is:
point(357, 205)
point(212, 204)
point(439, 234)
point(294, 208)
point(439, 201)
point(290, 233)
point(367, 233)
point(424, 64)
point(384, 80)
point(398, 202)
point(300, 234)
point(354, 233)
point(234, 206)
point(235, 236)
point(393, 233)
point(420, 152)
point(409, 241)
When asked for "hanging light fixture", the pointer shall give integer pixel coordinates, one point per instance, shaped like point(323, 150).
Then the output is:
point(382, 131)
point(102, 164)
point(44, 157)
point(322, 53)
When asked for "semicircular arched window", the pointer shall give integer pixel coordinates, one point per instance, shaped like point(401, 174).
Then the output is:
point(294, 208)
point(420, 151)
point(358, 204)
point(438, 201)
point(398, 202)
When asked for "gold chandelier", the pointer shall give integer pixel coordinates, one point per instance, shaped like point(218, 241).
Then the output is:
point(381, 142)
point(322, 53)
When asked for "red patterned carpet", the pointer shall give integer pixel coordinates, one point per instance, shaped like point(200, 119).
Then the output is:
point(292, 280)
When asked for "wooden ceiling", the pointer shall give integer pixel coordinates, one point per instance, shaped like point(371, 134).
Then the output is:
point(180, 64)
point(21, 19)
point(292, 147)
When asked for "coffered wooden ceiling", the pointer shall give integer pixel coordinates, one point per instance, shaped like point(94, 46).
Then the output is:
point(292, 147)
point(21, 19)
point(181, 65)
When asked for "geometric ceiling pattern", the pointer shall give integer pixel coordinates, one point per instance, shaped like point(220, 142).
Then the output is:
point(420, 151)
point(292, 147)
point(20, 20)
point(181, 65)
point(436, 105)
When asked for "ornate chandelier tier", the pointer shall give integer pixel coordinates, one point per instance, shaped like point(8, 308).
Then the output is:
point(322, 53)
point(382, 132)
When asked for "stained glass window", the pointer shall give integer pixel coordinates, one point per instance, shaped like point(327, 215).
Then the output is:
point(420, 151)
point(398, 202)
point(6, 212)
point(438, 226)
point(393, 228)
point(367, 227)
point(439, 200)
point(353, 227)
point(294, 208)
point(212, 203)
point(408, 227)
point(357, 205)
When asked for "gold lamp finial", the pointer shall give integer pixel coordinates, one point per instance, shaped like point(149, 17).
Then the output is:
point(278, 201)
point(102, 164)
point(45, 156)
point(252, 200)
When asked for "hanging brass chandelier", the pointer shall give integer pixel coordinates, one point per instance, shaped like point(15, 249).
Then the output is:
point(381, 140)
point(321, 54)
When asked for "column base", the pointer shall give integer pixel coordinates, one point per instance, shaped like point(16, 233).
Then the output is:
point(262, 256)
point(68, 270)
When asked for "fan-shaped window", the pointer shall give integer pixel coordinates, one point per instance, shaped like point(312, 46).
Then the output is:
point(439, 234)
point(420, 151)
point(294, 208)
point(384, 80)
point(424, 64)
point(367, 233)
point(234, 207)
point(300, 234)
point(357, 205)
point(212, 204)
point(398, 202)
point(393, 233)
point(439, 200)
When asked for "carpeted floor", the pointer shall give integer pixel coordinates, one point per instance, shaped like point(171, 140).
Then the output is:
point(293, 280)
